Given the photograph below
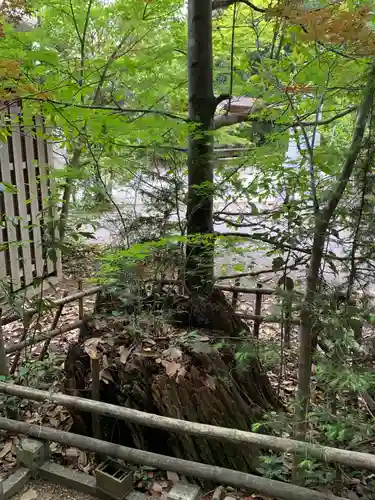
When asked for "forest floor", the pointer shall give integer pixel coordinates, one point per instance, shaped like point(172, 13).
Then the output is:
point(81, 266)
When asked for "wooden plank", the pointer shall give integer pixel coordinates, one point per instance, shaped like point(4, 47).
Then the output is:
point(15, 277)
point(53, 213)
point(35, 216)
point(43, 173)
point(21, 200)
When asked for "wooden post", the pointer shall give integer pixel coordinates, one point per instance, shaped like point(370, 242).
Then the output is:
point(258, 311)
point(95, 395)
point(235, 294)
point(55, 321)
point(26, 324)
point(286, 305)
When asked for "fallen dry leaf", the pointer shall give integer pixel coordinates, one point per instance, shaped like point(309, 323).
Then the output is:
point(105, 361)
point(72, 452)
point(106, 376)
point(54, 422)
point(172, 353)
point(82, 460)
point(6, 449)
point(91, 347)
point(218, 493)
point(210, 382)
point(124, 354)
point(149, 341)
point(172, 476)
point(156, 487)
point(181, 374)
point(171, 367)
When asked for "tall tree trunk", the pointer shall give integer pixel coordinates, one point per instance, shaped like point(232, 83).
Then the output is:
point(200, 250)
point(322, 220)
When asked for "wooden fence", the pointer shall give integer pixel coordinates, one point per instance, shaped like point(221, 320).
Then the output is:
point(25, 200)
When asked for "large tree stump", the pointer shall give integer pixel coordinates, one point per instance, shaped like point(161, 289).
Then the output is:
point(191, 381)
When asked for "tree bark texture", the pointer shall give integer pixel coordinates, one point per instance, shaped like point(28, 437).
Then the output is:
point(200, 251)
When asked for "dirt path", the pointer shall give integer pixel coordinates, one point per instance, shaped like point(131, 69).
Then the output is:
point(42, 490)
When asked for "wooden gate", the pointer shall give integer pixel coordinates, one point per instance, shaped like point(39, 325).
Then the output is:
point(26, 208)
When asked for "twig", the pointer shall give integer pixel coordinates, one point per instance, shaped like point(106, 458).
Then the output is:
point(26, 325)
point(55, 321)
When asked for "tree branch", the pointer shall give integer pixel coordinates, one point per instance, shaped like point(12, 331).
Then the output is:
point(224, 4)
point(355, 146)
point(116, 109)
